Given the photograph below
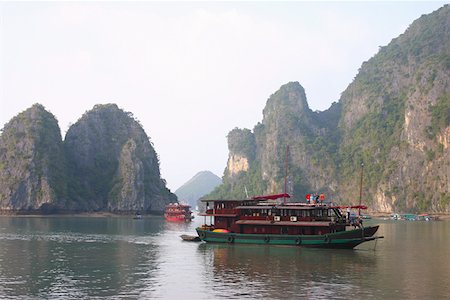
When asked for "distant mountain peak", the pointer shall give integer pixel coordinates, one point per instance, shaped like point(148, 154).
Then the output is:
point(199, 185)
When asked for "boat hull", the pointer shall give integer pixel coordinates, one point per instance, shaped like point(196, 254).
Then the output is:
point(178, 218)
point(338, 240)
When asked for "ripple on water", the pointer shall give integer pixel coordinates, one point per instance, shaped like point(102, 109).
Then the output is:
point(78, 238)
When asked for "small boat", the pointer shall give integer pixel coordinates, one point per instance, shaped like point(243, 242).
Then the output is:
point(424, 217)
point(190, 238)
point(137, 216)
point(395, 217)
point(409, 217)
point(266, 220)
point(366, 216)
point(176, 212)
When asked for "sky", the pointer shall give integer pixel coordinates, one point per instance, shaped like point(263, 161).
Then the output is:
point(189, 71)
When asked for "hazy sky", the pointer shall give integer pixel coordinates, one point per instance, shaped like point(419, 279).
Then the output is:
point(189, 71)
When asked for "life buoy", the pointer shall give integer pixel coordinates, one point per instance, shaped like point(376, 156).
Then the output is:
point(298, 241)
point(202, 235)
point(266, 239)
point(230, 239)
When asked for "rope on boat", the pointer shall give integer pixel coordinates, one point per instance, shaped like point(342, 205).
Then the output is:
point(375, 246)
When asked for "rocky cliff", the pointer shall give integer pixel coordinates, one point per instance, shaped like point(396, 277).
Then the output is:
point(112, 164)
point(106, 163)
point(394, 118)
point(32, 163)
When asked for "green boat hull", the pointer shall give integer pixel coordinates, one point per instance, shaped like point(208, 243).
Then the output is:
point(338, 240)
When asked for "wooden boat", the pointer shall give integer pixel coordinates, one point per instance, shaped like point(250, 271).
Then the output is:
point(176, 212)
point(266, 220)
point(190, 238)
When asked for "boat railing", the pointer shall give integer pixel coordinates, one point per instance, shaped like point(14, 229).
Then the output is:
point(254, 217)
point(221, 211)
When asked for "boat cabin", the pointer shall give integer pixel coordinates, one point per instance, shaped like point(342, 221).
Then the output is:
point(265, 215)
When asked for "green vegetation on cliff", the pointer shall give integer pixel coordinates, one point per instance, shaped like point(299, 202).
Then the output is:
point(32, 163)
point(242, 142)
point(440, 115)
point(106, 163)
point(394, 117)
point(112, 163)
point(240, 185)
point(287, 121)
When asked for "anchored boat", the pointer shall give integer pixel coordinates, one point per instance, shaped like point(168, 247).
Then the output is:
point(176, 212)
point(266, 220)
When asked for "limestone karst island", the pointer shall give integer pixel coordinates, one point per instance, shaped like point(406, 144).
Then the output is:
point(106, 163)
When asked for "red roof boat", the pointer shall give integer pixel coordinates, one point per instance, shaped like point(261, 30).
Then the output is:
point(266, 220)
point(176, 212)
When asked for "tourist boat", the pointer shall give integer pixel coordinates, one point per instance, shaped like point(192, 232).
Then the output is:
point(267, 220)
point(176, 212)
point(424, 217)
point(137, 216)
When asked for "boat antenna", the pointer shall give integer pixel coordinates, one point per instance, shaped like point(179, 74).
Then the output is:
point(246, 192)
point(285, 173)
point(360, 188)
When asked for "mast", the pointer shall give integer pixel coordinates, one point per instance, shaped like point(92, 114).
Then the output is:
point(285, 172)
point(360, 188)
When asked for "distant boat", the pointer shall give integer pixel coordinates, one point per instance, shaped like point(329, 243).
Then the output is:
point(137, 216)
point(424, 217)
point(395, 217)
point(176, 212)
point(409, 217)
point(263, 220)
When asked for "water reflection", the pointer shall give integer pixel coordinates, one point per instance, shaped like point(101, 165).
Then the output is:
point(284, 272)
point(64, 257)
point(58, 258)
point(415, 259)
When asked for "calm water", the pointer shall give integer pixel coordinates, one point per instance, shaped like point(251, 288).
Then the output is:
point(118, 257)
